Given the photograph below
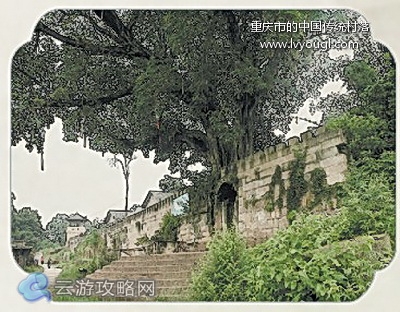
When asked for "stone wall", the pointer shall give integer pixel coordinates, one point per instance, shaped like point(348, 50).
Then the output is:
point(124, 233)
point(255, 175)
point(73, 235)
point(195, 234)
point(73, 242)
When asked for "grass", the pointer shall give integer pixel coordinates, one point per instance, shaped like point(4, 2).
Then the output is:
point(33, 268)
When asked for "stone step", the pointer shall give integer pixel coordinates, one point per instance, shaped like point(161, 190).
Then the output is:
point(170, 272)
point(147, 268)
point(159, 283)
point(160, 257)
point(163, 262)
point(137, 275)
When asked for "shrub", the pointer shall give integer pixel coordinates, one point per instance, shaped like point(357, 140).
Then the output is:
point(91, 254)
point(220, 277)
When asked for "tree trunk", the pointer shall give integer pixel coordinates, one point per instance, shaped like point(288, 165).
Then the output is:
point(126, 191)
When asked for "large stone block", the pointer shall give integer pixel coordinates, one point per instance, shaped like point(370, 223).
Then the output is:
point(333, 142)
point(333, 161)
point(332, 151)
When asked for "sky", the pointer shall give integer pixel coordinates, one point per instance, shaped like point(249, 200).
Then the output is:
point(76, 179)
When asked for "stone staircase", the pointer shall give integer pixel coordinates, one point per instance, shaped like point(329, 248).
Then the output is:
point(170, 272)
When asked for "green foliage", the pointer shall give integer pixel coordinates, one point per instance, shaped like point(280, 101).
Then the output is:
point(56, 229)
point(370, 126)
point(370, 200)
point(45, 243)
point(171, 184)
point(298, 185)
point(169, 227)
point(269, 196)
point(143, 240)
point(26, 225)
point(309, 261)
point(220, 276)
point(168, 81)
point(91, 254)
point(318, 257)
point(33, 268)
point(366, 134)
point(319, 188)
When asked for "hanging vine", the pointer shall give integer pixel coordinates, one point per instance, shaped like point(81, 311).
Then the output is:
point(298, 185)
point(276, 181)
point(319, 188)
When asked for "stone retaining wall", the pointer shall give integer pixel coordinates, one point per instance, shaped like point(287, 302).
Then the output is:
point(254, 175)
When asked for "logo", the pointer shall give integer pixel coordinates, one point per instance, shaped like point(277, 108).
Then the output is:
point(34, 287)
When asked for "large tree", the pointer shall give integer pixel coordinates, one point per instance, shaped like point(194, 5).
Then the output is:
point(181, 83)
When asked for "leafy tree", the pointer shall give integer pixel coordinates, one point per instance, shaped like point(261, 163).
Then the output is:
point(173, 82)
point(26, 225)
point(171, 184)
point(56, 228)
point(370, 127)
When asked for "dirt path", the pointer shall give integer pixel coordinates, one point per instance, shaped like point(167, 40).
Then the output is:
point(51, 274)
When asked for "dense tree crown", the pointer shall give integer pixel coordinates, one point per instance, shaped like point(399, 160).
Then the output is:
point(180, 83)
point(26, 225)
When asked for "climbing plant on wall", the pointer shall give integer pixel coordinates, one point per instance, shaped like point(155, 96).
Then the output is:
point(298, 185)
point(276, 181)
point(317, 185)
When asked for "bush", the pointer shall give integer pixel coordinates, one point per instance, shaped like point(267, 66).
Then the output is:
point(220, 277)
point(309, 261)
point(33, 268)
point(369, 206)
point(91, 254)
point(169, 227)
point(317, 258)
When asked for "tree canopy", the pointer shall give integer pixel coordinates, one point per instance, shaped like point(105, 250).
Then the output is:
point(56, 229)
point(26, 225)
point(180, 83)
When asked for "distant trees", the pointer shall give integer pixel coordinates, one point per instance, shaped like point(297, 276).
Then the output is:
point(56, 228)
point(26, 225)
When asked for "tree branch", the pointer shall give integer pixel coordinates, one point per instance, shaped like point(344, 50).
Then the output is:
point(112, 20)
point(194, 138)
point(92, 49)
point(34, 79)
point(93, 102)
point(100, 29)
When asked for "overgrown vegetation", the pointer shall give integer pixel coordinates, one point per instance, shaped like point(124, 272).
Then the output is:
point(298, 185)
point(169, 227)
point(319, 257)
point(91, 254)
point(223, 266)
point(33, 268)
point(276, 181)
point(167, 233)
point(320, 190)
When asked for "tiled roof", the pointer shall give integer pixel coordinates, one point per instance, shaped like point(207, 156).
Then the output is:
point(76, 216)
point(114, 215)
